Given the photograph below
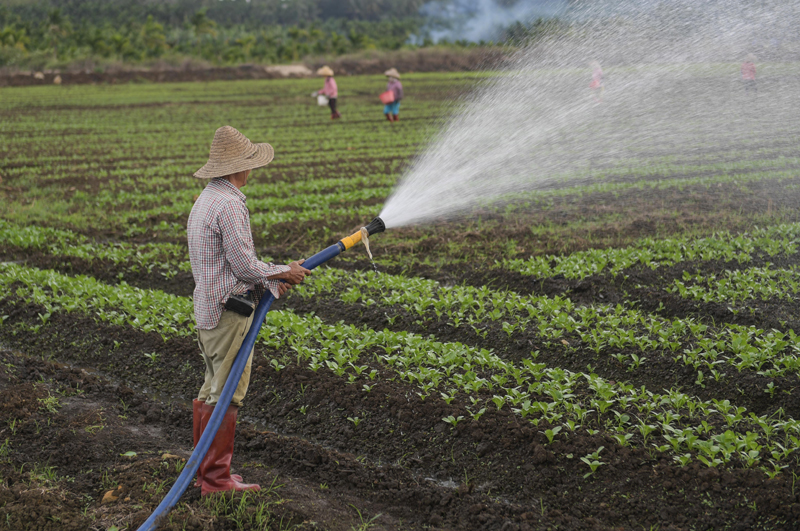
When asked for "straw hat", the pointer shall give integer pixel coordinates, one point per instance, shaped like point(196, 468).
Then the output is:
point(325, 71)
point(392, 72)
point(232, 152)
point(750, 58)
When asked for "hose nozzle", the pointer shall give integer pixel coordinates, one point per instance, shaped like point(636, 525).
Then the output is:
point(375, 226)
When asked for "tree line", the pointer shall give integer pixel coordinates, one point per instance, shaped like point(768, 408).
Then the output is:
point(53, 33)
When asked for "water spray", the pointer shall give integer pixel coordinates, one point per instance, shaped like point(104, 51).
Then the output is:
point(193, 463)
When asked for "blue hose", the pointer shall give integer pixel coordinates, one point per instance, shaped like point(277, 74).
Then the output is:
point(190, 469)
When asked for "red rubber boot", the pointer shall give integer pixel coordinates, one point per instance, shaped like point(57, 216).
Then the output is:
point(197, 430)
point(396, 118)
point(215, 470)
point(197, 406)
point(198, 426)
point(389, 117)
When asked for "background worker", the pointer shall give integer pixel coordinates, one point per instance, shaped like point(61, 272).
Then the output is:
point(597, 85)
point(392, 110)
point(749, 73)
point(330, 90)
point(229, 280)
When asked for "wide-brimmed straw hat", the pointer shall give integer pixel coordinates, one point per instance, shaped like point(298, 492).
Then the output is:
point(392, 72)
point(232, 152)
point(325, 71)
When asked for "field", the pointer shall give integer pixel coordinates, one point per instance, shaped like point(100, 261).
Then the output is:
point(613, 353)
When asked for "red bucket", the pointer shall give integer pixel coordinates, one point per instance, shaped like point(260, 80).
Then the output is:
point(387, 97)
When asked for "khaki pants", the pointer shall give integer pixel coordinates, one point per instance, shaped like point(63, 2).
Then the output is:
point(219, 347)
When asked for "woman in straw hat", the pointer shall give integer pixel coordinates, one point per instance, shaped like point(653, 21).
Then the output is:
point(229, 281)
point(330, 90)
point(392, 110)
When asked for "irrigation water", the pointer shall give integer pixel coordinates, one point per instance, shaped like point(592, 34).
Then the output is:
point(613, 85)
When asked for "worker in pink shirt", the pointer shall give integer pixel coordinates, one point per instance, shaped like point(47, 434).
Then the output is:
point(597, 84)
point(749, 73)
point(330, 90)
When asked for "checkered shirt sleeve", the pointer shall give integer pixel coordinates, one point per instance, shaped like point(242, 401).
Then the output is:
point(222, 253)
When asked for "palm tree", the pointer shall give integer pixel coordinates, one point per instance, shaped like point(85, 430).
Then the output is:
point(202, 24)
point(58, 27)
point(153, 36)
point(246, 43)
point(14, 38)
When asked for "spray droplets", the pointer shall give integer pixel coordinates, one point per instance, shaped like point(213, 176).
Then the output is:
point(627, 81)
point(365, 239)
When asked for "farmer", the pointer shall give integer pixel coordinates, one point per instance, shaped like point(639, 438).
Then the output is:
point(330, 90)
point(597, 85)
point(226, 270)
point(749, 73)
point(392, 110)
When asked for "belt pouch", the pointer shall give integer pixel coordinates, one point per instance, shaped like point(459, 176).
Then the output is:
point(240, 304)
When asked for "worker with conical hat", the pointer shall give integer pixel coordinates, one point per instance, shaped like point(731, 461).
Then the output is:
point(229, 281)
point(392, 110)
point(330, 90)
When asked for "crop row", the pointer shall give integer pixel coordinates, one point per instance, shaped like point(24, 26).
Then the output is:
point(613, 330)
point(59, 242)
point(731, 287)
point(609, 329)
point(655, 253)
point(713, 432)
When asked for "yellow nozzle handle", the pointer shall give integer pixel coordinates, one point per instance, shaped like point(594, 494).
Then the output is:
point(351, 240)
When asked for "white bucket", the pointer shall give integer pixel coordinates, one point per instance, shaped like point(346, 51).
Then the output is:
point(322, 100)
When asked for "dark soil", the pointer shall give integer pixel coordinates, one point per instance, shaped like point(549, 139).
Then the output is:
point(400, 460)
point(420, 61)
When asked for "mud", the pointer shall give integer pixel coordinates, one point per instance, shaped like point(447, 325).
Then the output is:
point(400, 460)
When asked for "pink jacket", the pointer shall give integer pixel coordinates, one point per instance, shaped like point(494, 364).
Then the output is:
point(748, 71)
point(330, 89)
point(396, 87)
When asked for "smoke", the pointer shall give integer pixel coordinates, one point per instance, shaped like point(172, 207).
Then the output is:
point(485, 20)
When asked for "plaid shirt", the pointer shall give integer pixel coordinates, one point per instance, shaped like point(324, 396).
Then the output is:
point(222, 253)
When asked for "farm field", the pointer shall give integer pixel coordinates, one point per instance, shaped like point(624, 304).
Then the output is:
point(615, 351)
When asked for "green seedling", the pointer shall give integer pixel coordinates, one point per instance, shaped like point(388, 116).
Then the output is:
point(592, 460)
point(50, 403)
point(551, 433)
point(453, 421)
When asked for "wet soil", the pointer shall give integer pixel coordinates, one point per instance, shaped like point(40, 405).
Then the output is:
point(400, 460)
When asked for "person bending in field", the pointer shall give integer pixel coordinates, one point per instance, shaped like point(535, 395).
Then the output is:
point(330, 90)
point(392, 110)
point(749, 73)
point(226, 270)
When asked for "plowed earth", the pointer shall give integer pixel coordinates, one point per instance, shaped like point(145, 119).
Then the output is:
point(93, 433)
point(400, 461)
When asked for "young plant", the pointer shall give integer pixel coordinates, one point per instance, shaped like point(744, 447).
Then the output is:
point(453, 421)
point(592, 460)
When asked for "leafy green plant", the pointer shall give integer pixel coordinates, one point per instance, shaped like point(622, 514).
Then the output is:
point(592, 460)
point(453, 421)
